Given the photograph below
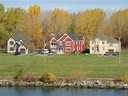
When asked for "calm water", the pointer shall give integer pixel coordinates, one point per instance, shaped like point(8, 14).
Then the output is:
point(60, 92)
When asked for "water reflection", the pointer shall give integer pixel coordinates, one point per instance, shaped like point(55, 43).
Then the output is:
point(51, 91)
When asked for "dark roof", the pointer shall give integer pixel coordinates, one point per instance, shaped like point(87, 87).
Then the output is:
point(19, 36)
point(107, 38)
point(72, 36)
point(100, 36)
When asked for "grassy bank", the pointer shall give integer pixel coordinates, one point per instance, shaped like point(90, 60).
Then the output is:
point(62, 65)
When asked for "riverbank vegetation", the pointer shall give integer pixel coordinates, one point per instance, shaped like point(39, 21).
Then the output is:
point(93, 66)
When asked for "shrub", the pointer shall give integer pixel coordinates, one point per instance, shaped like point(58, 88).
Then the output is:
point(125, 76)
point(30, 79)
point(48, 78)
point(78, 75)
point(19, 75)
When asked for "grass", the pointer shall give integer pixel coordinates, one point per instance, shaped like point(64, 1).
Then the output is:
point(62, 65)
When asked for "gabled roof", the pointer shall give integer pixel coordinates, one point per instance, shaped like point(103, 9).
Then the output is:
point(107, 38)
point(72, 36)
point(100, 36)
point(19, 36)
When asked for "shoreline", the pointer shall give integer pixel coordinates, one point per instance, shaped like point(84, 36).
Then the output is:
point(88, 83)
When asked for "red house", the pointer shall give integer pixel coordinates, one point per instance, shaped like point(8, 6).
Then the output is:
point(67, 43)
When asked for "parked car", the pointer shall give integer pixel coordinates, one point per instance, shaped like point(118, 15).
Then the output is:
point(17, 53)
point(111, 54)
point(53, 51)
point(45, 51)
point(115, 53)
point(86, 51)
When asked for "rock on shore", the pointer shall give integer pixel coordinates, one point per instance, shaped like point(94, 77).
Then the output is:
point(62, 83)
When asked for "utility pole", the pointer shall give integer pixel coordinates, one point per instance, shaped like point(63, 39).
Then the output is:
point(119, 50)
point(76, 45)
point(44, 47)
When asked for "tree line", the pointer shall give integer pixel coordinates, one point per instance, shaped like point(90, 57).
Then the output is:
point(37, 24)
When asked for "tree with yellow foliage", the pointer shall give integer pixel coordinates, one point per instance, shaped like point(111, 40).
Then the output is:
point(60, 21)
point(31, 25)
point(88, 22)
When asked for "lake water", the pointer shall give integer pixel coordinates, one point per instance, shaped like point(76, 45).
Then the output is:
point(13, 91)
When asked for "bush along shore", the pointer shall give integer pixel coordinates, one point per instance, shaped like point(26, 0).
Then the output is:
point(88, 83)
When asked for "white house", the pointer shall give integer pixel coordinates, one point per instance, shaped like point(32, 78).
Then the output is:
point(101, 44)
point(21, 41)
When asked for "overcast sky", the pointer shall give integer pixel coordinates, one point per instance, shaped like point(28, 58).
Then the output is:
point(69, 5)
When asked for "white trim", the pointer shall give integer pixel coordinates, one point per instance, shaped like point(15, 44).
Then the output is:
point(52, 39)
point(62, 36)
point(69, 48)
point(68, 42)
point(68, 37)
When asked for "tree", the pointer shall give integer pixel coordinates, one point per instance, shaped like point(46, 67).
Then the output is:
point(1, 8)
point(31, 24)
point(60, 21)
point(3, 36)
point(88, 22)
point(117, 25)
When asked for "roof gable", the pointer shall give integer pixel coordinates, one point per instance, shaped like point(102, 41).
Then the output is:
point(71, 35)
point(62, 37)
point(68, 39)
point(106, 38)
point(53, 40)
point(19, 36)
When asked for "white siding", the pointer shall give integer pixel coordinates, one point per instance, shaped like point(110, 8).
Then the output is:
point(103, 47)
point(9, 46)
point(12, 46)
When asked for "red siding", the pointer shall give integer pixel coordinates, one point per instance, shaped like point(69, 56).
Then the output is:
point(63, 37)
point(68, 39)
point(53, 41)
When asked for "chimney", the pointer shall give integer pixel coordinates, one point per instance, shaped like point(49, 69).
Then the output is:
point(52, 36)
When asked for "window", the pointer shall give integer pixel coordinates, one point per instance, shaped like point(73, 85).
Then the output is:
point(103, 42)
point(83, 42)
point(61, 43)
point(68, 43)
point(103, 48)
point(68, 49)
point(11, 49)
point(92, 48)
point(11, 43)
point(92, 42)
point(110, 44)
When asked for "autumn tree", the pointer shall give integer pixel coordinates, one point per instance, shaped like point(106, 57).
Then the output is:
point(119, 22)
point(60, 21)
point(46, 22)
point(1, 8)
point(9, 22)
point(88, 22)
point(31, 25)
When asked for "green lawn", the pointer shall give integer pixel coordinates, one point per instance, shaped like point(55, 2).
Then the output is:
point(61, 65)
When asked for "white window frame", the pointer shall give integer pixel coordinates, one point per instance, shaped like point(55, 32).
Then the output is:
point(110, 44)
point(68, 43)
point(11, 49)
point(12, 42)
point(68, 48)
point(103, 42)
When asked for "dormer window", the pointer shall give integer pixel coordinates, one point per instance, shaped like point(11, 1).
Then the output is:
point(11, 43)
point(102, 42)
point(110, 44)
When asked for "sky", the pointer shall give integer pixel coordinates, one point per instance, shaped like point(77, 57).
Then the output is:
point(72, 6)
